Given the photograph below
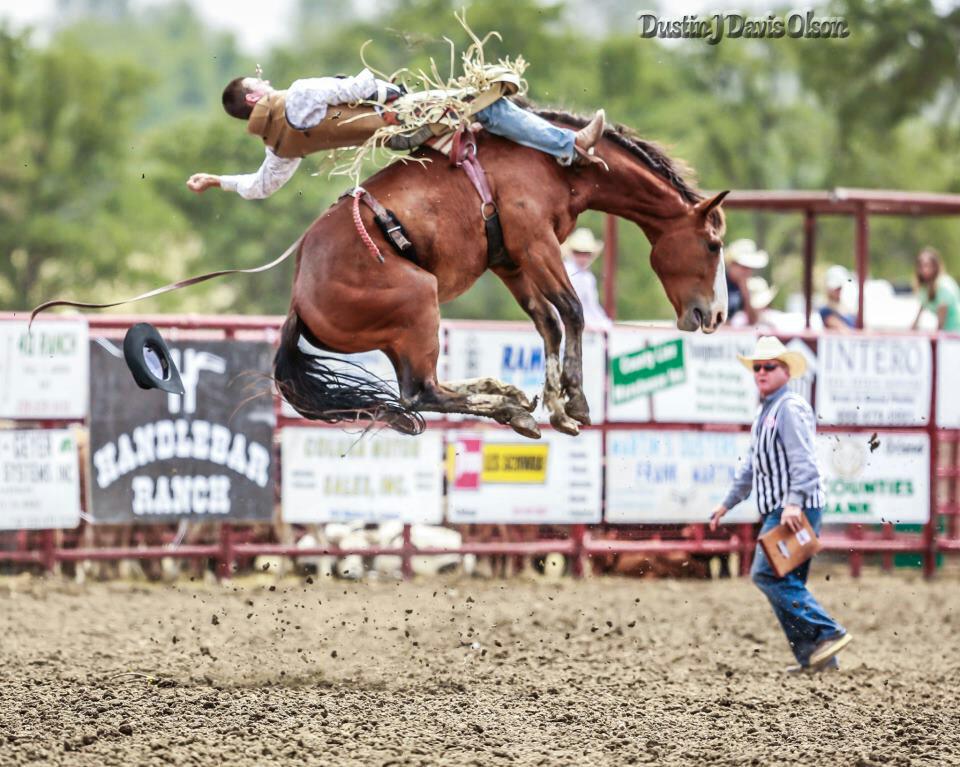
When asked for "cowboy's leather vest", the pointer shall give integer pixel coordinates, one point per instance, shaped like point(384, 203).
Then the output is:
point(343, 126)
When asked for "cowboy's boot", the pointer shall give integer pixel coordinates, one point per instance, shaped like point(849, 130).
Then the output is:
point(587, 137)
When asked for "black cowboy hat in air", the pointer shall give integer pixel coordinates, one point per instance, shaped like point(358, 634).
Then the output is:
point(149, 359)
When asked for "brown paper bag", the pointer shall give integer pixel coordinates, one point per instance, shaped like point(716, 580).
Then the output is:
point(786, 549)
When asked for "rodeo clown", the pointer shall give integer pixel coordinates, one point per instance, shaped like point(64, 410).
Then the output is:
point(781, 469)
point(290, 123)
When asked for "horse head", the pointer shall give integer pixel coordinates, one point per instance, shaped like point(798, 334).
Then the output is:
point(688, 259)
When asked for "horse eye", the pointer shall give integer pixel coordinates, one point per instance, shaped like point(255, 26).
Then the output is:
point(714, 247)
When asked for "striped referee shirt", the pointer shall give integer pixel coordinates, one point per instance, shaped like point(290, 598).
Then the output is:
point(781, 467)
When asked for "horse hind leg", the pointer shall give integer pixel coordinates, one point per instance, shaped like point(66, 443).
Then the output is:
point(491, 386)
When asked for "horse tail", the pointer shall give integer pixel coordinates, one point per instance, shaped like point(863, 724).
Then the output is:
point(324, 388)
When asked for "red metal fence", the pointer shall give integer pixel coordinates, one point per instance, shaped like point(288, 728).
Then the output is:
point(46, 548)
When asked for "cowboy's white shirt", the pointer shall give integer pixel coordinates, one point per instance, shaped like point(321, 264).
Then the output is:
point(306, 105)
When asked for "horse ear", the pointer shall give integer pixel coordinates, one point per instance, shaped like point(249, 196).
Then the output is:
point(705, 206)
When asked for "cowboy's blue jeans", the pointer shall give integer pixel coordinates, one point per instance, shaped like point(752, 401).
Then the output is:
point(504, 118)
point(804, 621)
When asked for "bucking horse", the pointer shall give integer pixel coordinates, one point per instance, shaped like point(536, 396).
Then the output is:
point(345, 301)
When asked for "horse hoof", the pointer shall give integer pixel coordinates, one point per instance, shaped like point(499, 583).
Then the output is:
point(561, 423)
point(578, 409)
point(526, 425)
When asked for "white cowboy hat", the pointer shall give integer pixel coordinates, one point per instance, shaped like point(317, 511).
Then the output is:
point(761, 294)
point(582, 241)
point(746, 253)
point(836, 277)
point(770, 348)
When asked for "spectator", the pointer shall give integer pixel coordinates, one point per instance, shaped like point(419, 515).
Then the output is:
point(832, 312)
point(742, 258)
point(938, 291)
point(579, 251)
point(761, 295)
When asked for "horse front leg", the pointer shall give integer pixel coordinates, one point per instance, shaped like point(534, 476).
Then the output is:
point(570, 310)
point(534, 303)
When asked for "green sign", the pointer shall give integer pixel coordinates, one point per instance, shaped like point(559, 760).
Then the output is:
point(646, 371)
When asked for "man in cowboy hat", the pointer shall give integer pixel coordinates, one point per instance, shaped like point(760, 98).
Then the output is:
point(742, 258)
point(781, 469)
point(579, 251)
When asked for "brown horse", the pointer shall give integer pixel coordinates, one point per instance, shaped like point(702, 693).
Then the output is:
point(346, 301)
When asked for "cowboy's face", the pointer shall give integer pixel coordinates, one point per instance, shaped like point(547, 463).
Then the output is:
point(769, 375)
point(583, 258)
point(256, 87)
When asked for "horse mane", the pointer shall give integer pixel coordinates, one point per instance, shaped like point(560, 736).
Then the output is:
point(676, 172)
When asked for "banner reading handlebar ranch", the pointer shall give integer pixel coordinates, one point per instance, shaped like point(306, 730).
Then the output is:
point(206, 455)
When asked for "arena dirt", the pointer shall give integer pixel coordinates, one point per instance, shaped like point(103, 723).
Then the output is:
point(460, 672)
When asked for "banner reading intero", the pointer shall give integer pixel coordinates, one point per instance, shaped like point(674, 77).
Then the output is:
point(206, 455)
point(39, 479)
point(496, 476)
point(330, 475)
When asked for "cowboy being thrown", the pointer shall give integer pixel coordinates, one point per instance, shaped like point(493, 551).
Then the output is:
point(304, 105)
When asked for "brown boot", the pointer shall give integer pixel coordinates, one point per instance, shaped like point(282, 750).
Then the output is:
point(590, 133)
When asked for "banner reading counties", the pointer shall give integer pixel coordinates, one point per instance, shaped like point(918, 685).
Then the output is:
point(332, 476)
point(890, 483)
point(495, 476)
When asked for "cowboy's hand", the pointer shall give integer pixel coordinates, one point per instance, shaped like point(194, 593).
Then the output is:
point(792, 517)
point(716, 515)
point(200, 182)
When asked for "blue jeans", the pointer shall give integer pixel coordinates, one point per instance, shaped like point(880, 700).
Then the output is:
point(504, 118)
point(804, 621)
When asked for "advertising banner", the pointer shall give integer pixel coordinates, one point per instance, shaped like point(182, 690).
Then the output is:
point(516, 357)
point(207, 455)
point(869, 479)
point(39, 479)
point(669, 376)
point(874, 381)
point(673, 476)
point(948, 366)
point(331, 476)
point(496, 476)
point(43, 372)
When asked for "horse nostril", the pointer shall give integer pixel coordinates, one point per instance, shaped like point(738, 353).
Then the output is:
point(719, 318)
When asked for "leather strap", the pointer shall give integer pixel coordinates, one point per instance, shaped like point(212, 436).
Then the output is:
point(464, 155)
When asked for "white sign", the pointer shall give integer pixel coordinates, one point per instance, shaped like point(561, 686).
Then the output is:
point(39, 480)
point(882, 381)
point(948, 370)
point(676, 377)
point(889, 483)
point(673, 476)
point(373, 365)
point(333, 476)
point(496, 476)
point(43, 373)
point(517, 357)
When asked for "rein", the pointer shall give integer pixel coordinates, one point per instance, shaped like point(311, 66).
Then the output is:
point(172, 286)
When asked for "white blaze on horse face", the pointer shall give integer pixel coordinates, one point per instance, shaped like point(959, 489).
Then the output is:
point(720, 303)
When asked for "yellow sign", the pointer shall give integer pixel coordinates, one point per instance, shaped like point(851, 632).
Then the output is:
point(515, 464)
